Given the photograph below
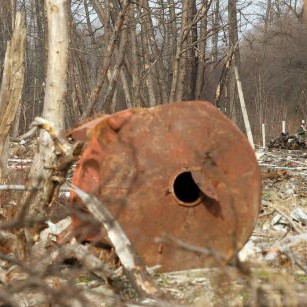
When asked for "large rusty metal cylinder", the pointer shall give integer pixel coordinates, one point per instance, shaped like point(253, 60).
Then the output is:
point(182, 170)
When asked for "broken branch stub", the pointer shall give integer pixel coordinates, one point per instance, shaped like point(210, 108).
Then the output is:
point(182, 169)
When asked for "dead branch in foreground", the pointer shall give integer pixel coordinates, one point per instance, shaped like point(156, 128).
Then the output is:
point(47, 187)
point(133, 266)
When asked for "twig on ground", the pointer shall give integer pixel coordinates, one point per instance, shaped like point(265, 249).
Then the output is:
point(296, 227)
point(22, 187)
point(28, 276)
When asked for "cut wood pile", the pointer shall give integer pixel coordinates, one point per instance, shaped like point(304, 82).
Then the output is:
point(287, 141)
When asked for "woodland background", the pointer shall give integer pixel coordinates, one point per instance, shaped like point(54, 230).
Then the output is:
point(152, 52)
point(90, 56)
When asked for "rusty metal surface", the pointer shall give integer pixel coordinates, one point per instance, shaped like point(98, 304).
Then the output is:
point(179, 169)
point(80, 132)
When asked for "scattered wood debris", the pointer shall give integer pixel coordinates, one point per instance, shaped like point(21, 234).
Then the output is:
point(271, 268)
point(287, 141)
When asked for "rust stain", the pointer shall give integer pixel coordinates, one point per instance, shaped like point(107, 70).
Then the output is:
point(181, 169)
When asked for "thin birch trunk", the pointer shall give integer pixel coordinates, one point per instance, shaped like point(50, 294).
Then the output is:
point(243, 109)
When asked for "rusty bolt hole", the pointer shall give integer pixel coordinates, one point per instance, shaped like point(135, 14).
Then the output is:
point(185, 189)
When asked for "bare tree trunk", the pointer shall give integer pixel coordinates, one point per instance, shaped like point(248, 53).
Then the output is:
point(222, 80)
point(11, 88)
point(104, 18)
point(14, 131)
point(176, 87)
point(267, 16)
point(40, 52)
point(83, 73)
point(88, 22)
point(107, 60)
point(243, 108)
point(183, 75)
point(135, 62)
point(13, 12)
point(156, 55)
point(215, 36)
point(35, 204)
point(15, 128)
point(92, 60)
point(201, 57)
point(6, 28)
point(188, 79)
point(126, 87)
point(172, 37)
point(148, 62)
point(183, 49)
point(107, 101)
point(233, 39)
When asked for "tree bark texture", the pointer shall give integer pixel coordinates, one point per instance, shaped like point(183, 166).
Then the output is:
point(56, 86)
point(233, 39)
point(244, 110)
point(11, 88)
point(215, 30)
point(102, 75)
point(201, 59)
point(185, 61)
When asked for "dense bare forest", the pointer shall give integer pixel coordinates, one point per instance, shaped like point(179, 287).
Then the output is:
point(153, 52)
point(150, 206)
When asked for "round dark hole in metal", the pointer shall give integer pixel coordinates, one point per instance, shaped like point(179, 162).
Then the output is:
point(185, 189)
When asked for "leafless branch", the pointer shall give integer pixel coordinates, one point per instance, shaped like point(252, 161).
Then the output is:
point(134, 268)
